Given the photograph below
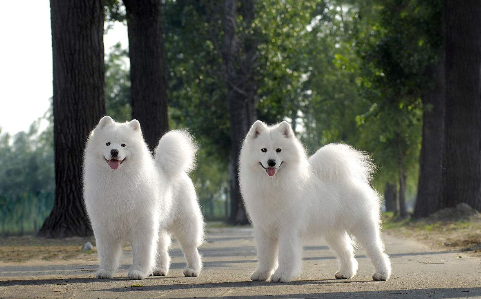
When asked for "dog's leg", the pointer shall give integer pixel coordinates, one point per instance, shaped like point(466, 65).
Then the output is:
point(341, 243)
point(189, 236)
point(368, 235)
point(267, 248)
point(193, 259)
point(290, 256)
point(163, 259)
point(109, 250)
point(144, 246)
point(192, 256)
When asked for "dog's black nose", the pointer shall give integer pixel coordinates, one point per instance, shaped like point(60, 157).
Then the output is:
point(114, 153)
point(271, 163)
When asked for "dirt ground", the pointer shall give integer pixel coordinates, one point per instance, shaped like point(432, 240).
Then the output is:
point(229, 257)
point(446, 230)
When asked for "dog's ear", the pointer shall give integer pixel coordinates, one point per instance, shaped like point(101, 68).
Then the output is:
point(257, 128)
point(105, 121)
point(134, 124)
point(286, 130)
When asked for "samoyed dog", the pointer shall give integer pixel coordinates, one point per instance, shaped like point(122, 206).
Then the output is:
point(289, 197)
point(132, 197)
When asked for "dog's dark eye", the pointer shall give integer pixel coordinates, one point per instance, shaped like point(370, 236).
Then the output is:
point(264, 150)
point(107, 144)
point(278, 150)
point(123, 145)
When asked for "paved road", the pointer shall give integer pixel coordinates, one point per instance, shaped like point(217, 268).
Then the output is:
point(229, 258)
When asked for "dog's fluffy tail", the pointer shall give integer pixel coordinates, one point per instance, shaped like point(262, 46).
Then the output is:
point(341, 162)
point(175, 153)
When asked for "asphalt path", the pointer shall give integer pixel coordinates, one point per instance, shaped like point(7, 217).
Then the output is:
point(229, 258)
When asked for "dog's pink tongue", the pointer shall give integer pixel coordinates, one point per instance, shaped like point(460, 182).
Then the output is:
point(114, 164)
point(271, 171)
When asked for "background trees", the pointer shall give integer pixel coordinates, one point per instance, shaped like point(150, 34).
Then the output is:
point(371, 73)
point(78, 103)
point(27, 182)
point(239, 53)
point(433, 99)
point(117, 84)
point(364, 72)
point(147, 72)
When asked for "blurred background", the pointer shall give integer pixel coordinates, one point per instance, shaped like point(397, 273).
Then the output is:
point(393, 78)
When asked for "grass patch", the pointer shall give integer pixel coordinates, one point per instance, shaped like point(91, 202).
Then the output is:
point(21, 249)
point(452, 233)
point(216, 224)
point(138, 285)
point(390, 222)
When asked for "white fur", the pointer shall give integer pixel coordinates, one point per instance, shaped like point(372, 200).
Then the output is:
point(175, 161)
point(143, 201)
point(326, 195)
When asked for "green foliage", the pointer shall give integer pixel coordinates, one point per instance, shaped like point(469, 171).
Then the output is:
point(26, 179)
point(196, 92)
point(331, 101)
point(283, 56)
point(26, 162)
point(117, 84)
point(212, 187)
point(338, 70)
point(341, 71)
point(398, 47)
point(398, 43)
point(24, 214)
point(114, 11)
point(388, 133)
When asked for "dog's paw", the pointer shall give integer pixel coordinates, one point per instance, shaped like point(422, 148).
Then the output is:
point(281, 276)
point(381, 276)
point(347, 270)
point(103, 274)
point(343, 275)
point(189, 272)
point(260, 275)
point(346, 274)
point(136, 274)
point(160, 272)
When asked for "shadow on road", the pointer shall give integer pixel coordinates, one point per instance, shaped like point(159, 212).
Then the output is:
point(236, 284)
point(411, 294)
point(416, 293)
point(438, 293)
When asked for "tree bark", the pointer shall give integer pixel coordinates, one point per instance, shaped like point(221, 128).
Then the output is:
point(431, 158)
point(390, 197)
point(462, 151)
point(147, 68)
point(238, 61)
point(78, 104)
point(402, 186)
point(402, 194)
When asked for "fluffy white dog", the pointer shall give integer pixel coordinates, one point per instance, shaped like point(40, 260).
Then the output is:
point(290, 197)
point(131, 196)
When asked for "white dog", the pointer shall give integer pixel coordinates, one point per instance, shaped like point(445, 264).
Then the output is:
point(130, 196)
point(290, 197)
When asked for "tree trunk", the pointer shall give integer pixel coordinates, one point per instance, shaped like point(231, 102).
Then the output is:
point(431, 158)
point(238, 61)
point(390, 197)
point(462, 151)
point(147, 68)
point(402, 187)
point(78, 104)
point(402, 195)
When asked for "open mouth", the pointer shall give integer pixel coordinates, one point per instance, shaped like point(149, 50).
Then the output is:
point(114, 163)
point(271, 171)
